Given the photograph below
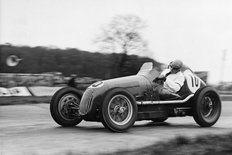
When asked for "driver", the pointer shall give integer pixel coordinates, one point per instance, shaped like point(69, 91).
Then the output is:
point(172, 80)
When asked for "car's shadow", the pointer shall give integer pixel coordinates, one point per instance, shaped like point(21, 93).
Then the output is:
point(169, 125)
point(144, 126)
point(81, 128)
point(165, 124)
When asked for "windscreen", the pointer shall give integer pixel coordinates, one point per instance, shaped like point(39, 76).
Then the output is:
point(148, 71)
point(146, 67)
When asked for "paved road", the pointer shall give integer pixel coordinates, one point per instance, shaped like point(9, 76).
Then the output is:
point(29, 129)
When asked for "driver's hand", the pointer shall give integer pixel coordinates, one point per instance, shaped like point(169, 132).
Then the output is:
point(160, 78)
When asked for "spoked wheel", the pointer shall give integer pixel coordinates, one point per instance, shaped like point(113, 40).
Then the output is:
point(68, 106)
point(64, 107)
point(119, 110)
point(207, 107)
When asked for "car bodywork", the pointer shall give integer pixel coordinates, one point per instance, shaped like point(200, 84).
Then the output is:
point(119, 102)
point(141, 87)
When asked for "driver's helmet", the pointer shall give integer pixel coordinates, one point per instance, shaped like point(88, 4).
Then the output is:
point(176, 64)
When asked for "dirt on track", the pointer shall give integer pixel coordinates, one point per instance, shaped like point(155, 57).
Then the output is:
point(29, 129)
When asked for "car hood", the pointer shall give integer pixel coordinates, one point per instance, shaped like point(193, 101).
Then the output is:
point(129, 81)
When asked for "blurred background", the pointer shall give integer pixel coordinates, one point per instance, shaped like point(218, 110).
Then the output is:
point(48, 42)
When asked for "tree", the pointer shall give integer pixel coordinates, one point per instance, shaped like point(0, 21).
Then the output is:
point(123, 35)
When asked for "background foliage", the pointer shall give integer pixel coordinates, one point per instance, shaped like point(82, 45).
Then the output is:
point(70, 61)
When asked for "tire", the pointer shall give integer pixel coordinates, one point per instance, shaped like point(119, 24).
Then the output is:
point(119, 110)
point(159, 120)
point(64, 107)
point(206, 106)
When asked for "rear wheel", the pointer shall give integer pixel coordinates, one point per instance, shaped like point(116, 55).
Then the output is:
point(64, 107)
point(206, 107)
point(119, 110)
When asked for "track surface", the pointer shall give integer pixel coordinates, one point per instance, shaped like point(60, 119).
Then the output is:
point(29, 129)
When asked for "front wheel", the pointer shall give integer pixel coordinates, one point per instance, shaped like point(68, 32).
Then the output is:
point(64, 107)
point(206, 107)
point(119, 110)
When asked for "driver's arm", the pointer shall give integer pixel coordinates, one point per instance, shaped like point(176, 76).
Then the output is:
point(164, 73)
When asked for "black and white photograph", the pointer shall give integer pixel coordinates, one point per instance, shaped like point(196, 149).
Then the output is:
point(110, 77)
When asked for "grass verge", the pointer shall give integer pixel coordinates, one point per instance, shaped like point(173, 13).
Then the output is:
point(203, 145)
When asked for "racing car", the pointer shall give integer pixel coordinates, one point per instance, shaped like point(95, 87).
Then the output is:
point(119, 102)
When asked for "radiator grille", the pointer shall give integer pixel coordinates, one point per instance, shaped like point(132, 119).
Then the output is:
point(86, 100)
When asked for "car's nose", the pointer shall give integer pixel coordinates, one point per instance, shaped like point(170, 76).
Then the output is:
point(86, 101)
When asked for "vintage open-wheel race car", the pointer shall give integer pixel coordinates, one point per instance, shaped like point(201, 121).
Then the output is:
point(119, 102)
